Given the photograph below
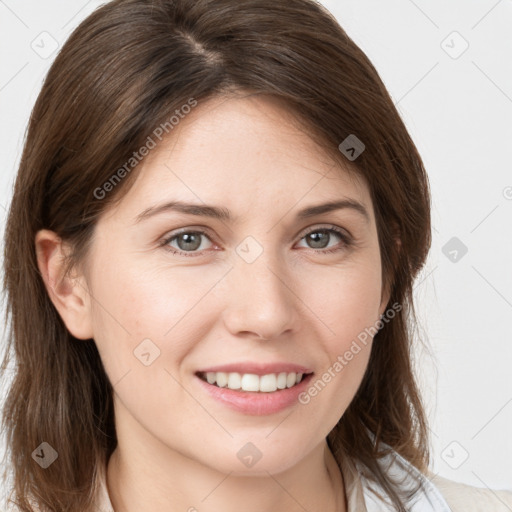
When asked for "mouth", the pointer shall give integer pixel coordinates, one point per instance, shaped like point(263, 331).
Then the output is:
point(253, 388)
point(253, 383)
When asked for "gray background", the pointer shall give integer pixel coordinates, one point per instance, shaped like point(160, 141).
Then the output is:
point(457, 105)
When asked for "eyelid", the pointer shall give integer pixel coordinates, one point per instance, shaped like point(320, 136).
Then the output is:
point(202, 230)
point(301, 234)
point(320, 227)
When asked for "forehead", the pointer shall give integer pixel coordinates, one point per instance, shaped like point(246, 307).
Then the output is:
point(247, 153)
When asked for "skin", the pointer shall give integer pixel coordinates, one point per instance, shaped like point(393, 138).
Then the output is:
point(177, 446)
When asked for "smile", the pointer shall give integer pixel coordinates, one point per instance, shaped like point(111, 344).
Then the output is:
point(251, 382)
point(255, 388)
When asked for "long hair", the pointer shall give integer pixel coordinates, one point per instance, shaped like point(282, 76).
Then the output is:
point(123, 72)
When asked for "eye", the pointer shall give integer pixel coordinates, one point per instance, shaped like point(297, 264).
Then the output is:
point(190, 242)
point(187, 242)
point(320, 238)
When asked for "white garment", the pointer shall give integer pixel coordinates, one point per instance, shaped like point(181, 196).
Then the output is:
point(436, 494)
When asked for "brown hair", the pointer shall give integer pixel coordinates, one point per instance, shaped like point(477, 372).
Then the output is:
point(122, 72)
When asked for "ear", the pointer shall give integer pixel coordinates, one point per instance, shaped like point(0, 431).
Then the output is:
point(69, 294)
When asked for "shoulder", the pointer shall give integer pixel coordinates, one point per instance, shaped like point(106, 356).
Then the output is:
point(466, 498)
point(458, 497)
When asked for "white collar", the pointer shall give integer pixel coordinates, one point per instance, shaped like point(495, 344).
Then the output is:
point(363, 494)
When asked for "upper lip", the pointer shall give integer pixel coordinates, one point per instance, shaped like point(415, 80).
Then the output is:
point(257, 368)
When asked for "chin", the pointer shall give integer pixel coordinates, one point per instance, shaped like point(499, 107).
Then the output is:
point(258, 456)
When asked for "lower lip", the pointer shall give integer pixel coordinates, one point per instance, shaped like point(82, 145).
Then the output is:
point(256, 403)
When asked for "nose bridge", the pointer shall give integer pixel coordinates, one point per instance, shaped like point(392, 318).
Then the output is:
point(260, 297)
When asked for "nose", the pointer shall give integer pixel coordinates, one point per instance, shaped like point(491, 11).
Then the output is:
point(260, 300)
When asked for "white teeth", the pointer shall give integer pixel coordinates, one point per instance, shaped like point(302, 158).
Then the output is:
point(290, 379)
point(268, 383)
point(281, 380)
point(221, 379)
point(234, 381)
point(250, 382)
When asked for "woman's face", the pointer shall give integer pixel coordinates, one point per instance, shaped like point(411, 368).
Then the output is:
point(252, 295)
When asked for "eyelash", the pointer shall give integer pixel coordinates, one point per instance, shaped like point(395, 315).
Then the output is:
point(346, 239)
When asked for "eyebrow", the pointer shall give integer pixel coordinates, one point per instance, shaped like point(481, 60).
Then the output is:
point(223, 214)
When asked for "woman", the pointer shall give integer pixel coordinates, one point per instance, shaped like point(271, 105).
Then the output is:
point(216, 225)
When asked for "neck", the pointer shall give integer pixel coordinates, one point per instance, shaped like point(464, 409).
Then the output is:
point(144, 477)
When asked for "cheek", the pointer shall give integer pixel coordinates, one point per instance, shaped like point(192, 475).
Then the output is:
point(347, 300)
point(143, 331)
point(133, 302)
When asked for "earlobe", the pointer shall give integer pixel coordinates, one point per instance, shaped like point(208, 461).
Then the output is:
point(69, 294)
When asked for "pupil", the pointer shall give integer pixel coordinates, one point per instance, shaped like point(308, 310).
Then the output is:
point(189, 239)
point(316, 237)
